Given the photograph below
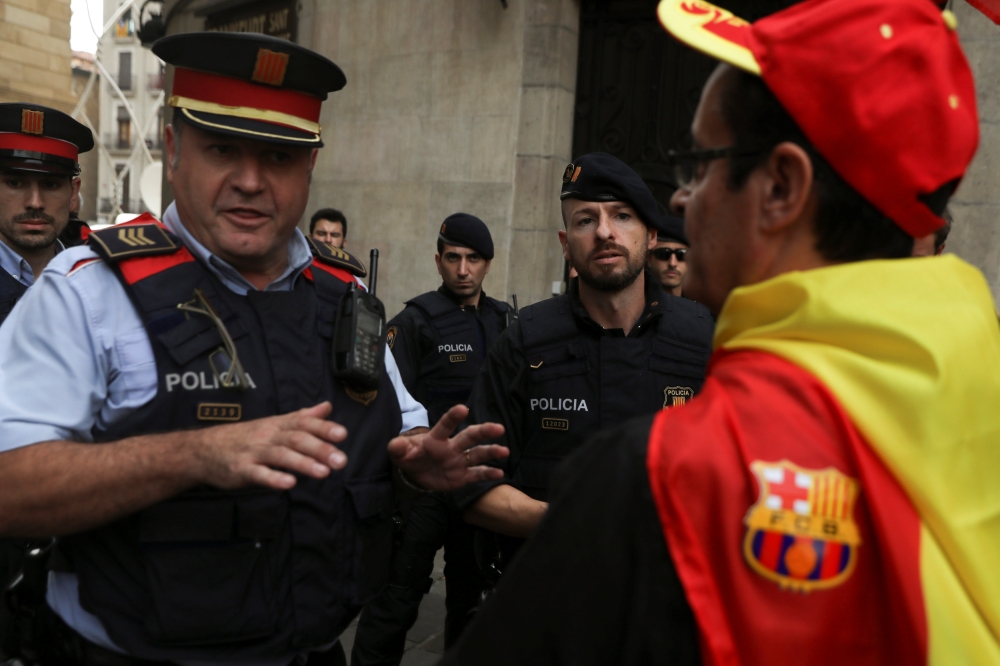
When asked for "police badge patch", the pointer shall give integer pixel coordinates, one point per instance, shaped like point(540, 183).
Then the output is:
point(674, 396)
point(390, 336)
point(801, 532)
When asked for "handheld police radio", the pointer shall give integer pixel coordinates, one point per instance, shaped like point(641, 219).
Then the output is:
point(359, 335)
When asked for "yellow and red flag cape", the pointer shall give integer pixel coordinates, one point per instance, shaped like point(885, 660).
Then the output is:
point(833, 494)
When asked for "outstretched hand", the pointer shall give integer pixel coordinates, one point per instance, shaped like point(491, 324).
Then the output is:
point(435, 461)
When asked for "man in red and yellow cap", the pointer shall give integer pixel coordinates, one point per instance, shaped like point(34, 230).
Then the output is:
point(830, 496)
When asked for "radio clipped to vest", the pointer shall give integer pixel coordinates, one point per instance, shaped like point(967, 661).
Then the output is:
point(359, 335)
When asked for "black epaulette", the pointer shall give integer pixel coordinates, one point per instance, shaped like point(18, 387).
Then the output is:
point(334, 256)
point(133, 240)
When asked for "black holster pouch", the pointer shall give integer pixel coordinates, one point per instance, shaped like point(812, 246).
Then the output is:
point(24, 599)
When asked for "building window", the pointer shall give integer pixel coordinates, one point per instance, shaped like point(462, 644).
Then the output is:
point(124, 138)
point(126, 204)
point(125, 70)
point(125, 27)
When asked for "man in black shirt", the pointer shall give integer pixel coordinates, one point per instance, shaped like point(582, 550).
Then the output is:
point(439, 342)
point(616, 346)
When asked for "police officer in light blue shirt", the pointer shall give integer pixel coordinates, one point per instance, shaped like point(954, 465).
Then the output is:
point(39, 169)
point(219, 496)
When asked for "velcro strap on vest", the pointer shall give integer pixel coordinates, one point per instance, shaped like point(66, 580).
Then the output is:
point(334, 256)
point(550, 323)
point(446, 317)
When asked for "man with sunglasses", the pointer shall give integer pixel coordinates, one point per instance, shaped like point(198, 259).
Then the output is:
point(668, 260)
point(219, 493)
point(616, 346)
point(829, 497)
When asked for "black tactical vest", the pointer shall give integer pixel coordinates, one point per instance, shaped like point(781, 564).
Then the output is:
point(10, 292)
point(461, 342)
point(253, 573)
point(579, 383)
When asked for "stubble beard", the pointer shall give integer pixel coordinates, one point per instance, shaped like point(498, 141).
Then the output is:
point(20, 240)
point(616, 280)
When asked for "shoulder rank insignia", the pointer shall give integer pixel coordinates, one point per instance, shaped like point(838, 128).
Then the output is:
point(801, 532)
point(334, 256)
point(132, 240)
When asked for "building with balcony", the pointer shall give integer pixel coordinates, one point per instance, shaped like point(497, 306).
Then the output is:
point(131, 125)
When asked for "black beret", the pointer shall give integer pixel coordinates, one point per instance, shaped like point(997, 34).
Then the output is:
point(249, 85)
point(37, 138)
point(466, 230)
point(603, 177)
point(672, 229)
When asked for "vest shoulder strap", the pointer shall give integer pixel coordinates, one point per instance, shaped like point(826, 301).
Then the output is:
point(144, 236)
point(336, 257)
point(498, 305)
point(685, 321)
point(434, 304)
point(547, 323)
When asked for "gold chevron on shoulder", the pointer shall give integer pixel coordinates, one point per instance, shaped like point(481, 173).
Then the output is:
point(338, 257)
point(120, 242)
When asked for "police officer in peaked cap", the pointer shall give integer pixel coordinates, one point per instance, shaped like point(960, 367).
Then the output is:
point(39, 168)
point(615, 346)
point(218, 494)
point(440, 341)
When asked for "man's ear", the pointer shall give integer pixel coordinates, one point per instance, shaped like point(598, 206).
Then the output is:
point(437, 262)
point(565, 244)
point(788, 187)
point(312, 163)
point(75, 186)
point(651, 238)
point(488, 262)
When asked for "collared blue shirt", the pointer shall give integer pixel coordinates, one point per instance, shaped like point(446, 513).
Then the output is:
point(15, 266)
point(102, 369)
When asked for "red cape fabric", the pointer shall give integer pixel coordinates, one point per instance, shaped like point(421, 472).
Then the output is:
point(757, 407)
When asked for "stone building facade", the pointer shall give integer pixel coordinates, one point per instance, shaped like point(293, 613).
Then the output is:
point(468, 105)
point(35, 54)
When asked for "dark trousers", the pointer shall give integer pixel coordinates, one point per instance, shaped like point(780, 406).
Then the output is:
point(431, 523)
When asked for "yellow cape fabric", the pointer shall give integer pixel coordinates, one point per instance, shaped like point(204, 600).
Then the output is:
point(911, 349)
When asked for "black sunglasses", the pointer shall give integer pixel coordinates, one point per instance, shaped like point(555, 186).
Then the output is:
point(687, 164)
point(664, 253)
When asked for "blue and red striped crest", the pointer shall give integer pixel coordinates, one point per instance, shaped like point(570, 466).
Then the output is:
point(801, 532)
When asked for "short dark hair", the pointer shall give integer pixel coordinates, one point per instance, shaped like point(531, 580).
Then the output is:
point(941, 235)
point(848, 227)
point(331, 214)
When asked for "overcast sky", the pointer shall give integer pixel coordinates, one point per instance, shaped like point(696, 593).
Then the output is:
point(82, 37)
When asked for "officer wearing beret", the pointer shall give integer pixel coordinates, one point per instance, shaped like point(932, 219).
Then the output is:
point(39, 167)
point(440, 341)
point(668, 259)
point(614, 347)
point(219, 494)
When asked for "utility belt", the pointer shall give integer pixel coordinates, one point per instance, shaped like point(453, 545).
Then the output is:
point(34, 635)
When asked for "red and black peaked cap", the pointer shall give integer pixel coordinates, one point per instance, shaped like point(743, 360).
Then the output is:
point(249, 85)
point(39, 139)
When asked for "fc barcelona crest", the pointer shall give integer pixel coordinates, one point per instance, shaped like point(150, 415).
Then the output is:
point(801, 532)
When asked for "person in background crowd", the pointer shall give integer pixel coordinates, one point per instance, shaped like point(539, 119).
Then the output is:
point(328, 225)
point(830, 496)
point(667, 261)
point(440, 341)
point(219, 494)
point(612, 348)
